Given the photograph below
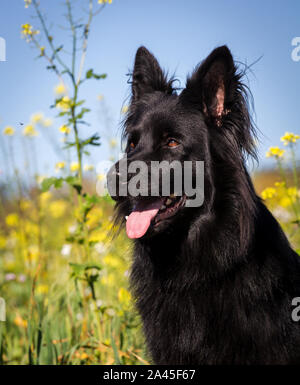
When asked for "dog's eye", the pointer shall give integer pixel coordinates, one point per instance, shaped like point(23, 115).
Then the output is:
point(172, 143)
point(131, 146)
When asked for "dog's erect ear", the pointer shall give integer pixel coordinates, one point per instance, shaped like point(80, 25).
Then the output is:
point(212, 86)
point(147, 75)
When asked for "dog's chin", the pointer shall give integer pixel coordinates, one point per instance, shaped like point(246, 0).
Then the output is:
point(166, 218)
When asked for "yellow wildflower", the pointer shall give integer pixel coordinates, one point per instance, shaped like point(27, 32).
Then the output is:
point(285, 201)
point(12, 220)
point(25, 204)
point(268, 193)
point(58, 208)
point(47, 122)
point(64, 104)
point(104, 1)
point(101, 177)
point(33, 251)
point(9, 131)
point(113, 143)
point(124, 296)
point(27, 29)
point(60, 165)
point(74, 166)
point(27, 3)
point(28, 32)
point(45, 197)
point(64, 129)
point(19, 321)
point(275, 152)
point(292, 192)
point(289, 137)
point(109, 280)
point(42, 289)
point(37, 117)
point(60, 89)
point(111, 261)
point(124, 109)
point(42, 50)
point(88, 167)
point(29, 130)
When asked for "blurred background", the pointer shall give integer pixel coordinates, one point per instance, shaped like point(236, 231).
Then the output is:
point(64, 94)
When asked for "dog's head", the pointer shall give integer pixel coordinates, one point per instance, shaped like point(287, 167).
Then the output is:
point(208, 121)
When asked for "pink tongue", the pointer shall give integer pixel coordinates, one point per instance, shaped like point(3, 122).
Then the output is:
point(139, 220)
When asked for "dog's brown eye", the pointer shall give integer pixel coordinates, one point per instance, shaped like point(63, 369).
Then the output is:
point(131, 145)
point(172, 143)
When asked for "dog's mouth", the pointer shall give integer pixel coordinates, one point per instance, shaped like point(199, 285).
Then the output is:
point(147, 213)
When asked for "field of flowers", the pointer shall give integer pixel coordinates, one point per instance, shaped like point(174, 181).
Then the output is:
point(63, 267)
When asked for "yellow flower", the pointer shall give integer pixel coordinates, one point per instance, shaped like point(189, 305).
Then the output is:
point(111, 261)
point(47, 122)
point(33, 251)
point(94, 216)
point(64, 104)
point(113, 143)
point(60, 89)
point(42, 289)
point(292, 192)
point(104, 1)
point(42, 50)
point(9, 131)
point(28, 32)
point(124, 296)
point(25, 204)
point(29, 130)
point(74, 166)
point(285, 201)
point(60, 165)
point(27, 3)
point(88, 167)
point(64, 129)
point(109, 280)
point(27, 29)
point(57, 208)
point(101, 177)
point(12, 220)
point(124, 109)
point(19, 321)
point(44, 198)
point(289, 137)
point(275, 152)
point(268, 193)
point(37, 117)
point(84, 356)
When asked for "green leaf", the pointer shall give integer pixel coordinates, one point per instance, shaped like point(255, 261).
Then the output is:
point(49, 182)
point(90, 74)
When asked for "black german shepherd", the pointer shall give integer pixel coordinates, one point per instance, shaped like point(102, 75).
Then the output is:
point(214, 284)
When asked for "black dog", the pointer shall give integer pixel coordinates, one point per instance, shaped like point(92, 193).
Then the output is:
point(213, 284)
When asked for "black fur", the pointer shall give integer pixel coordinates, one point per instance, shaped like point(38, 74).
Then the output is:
point(214, 284)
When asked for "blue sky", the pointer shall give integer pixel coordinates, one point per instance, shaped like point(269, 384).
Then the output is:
point(180, 34)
